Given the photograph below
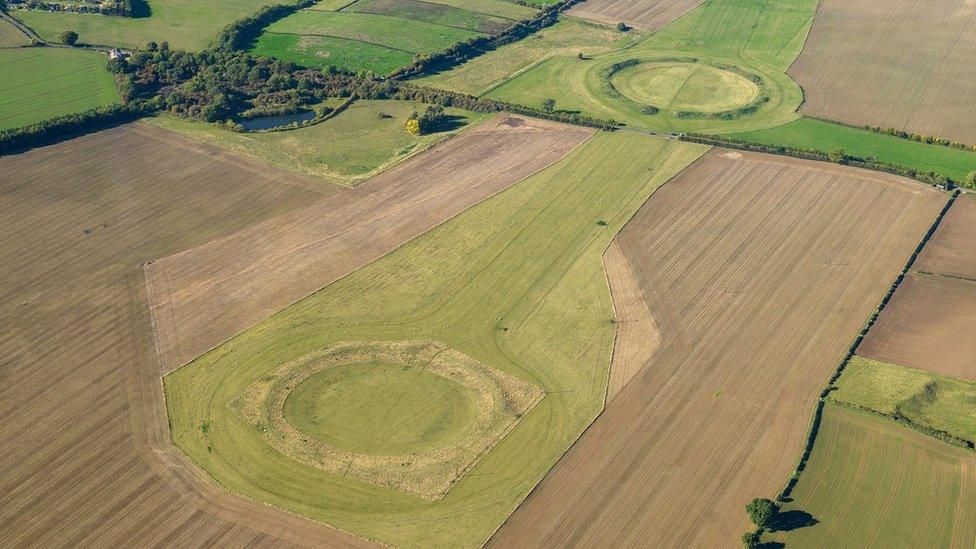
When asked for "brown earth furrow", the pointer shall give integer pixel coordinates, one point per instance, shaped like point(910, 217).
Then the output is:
point(768, 266)
point(900, 63)
point(84, 460)
point(203, 296)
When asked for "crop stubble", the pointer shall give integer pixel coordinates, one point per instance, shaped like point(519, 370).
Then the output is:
point(900, 63)
point(87, 458)
point(203, 296)
point(758, 270)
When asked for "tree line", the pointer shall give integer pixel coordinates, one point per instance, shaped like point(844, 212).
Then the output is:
point(119, 8)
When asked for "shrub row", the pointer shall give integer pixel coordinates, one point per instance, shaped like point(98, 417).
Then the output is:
point(55, 129)
point(836, 156)
point(921, 138)
point(120, 8)
point(907, 422)
point(469, 49)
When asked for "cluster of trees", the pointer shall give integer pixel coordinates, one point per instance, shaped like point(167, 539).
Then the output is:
point(433, 118)
point(921, 138)
point(838, 156)
point(469, 49)
point(121, 8)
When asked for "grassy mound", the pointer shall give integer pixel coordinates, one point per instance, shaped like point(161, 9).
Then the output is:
point(516, 283)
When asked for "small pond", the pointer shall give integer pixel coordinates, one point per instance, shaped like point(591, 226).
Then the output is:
point(268, 122)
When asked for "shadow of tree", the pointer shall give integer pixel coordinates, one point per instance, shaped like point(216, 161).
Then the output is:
point(786, 521)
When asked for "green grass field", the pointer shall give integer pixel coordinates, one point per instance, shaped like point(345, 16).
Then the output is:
point(516, 283)
point(185, 24)
point(872, 483)
point(437, 14)
point(808, 133)
point(10, 36)
point(322, 51)
point(42, 83)
point(755, 36)
point(343, 150)
point(933, 400)
point(409, 37)
point(568, 37)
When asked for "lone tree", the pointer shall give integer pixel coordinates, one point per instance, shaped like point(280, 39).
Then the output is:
point(68, 37)
point(549, 105)
point(750, 540)
point(622, 27)
point(970, 181)
point(762, 511)
point(837, 155)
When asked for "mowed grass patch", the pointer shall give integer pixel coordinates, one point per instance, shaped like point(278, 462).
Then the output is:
point(875, 484)
point(809, 133)
point(932, 400)
point(567, 37)
point(364, 139)
point(393, 32)
point(323, 51)
point(41, 83)
point(437, 14)
point(185, 24)
point(748, 37)
point(516, 283)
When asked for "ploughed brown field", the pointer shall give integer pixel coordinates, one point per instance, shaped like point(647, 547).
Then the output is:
point(952, 249)
point(893, 63)
point(928, 325)
point(647, 15)
point(203, 296)
point(759, 272)
point(86, 454)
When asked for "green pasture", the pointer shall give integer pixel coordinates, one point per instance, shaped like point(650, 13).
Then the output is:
point(568, 37)
point(809, 133)
point(751, 36)
point(361, 141)
point(43, 83)
point(872, 483)
point(323, 51)
point(516, 282)
point(940, 402)
point(185, 24)
point(438, 14)
point(10, 36)
point(392, 32)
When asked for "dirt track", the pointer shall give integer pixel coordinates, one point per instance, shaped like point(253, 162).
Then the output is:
point(893, 63)
point(759, 272)
point(203, 296)
point(647, 15)
point(86, 455)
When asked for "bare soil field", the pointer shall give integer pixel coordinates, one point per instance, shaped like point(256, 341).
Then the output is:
point(637, 337)
point(86, 456)
point(901, 64)
point(758, 271)
point(640, 14)
point(928, 325)
point(202, 296)
point(952, 249)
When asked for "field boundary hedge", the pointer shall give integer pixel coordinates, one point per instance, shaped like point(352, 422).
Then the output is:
point(64, 127)
point(239, 34)
point(817, 417)
point(929, 178)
